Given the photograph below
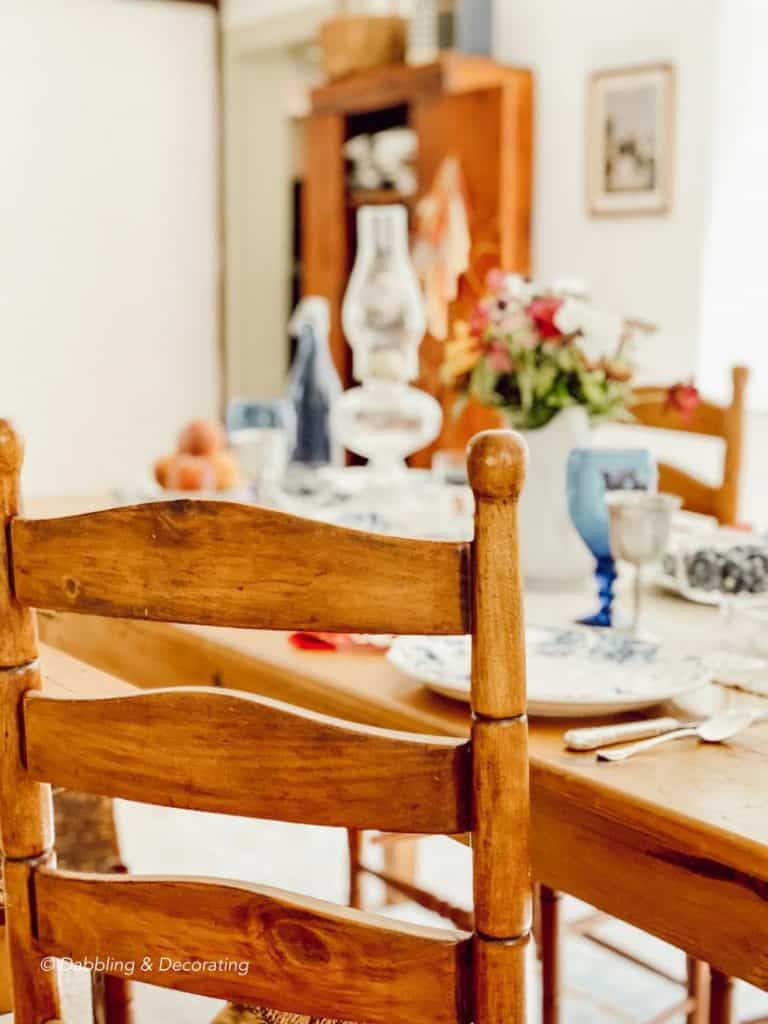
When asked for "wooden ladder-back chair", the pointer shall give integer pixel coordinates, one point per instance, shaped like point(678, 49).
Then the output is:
point(724, 421)
point(230, 752)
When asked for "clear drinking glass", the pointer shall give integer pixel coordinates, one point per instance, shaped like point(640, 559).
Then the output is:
point(640, 526)
point(262, 433)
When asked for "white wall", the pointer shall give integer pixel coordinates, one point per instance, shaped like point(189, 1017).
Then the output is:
point(734, 289)
point(644, 266)
point(238, 12)
point(109, 251)
point(241, 12)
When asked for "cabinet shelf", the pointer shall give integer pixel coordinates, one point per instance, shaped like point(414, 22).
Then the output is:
point(378, 197)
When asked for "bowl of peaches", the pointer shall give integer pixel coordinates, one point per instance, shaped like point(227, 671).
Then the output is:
point(203, 463)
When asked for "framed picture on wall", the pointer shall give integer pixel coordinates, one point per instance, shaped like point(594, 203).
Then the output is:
point(630, 136)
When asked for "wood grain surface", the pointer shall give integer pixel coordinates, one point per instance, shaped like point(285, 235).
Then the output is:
point(27, 812)
point(17, 627)
point(232, 753)
point(501, 856)
point(223, 564)
point(35, 991)
point(302, 955)
point(498, 639)
point(500, 835)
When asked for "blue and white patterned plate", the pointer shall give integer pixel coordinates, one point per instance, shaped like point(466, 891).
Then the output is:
point(572, 672)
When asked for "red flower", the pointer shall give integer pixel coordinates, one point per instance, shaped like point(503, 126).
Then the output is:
point(479, 320)
point(542, 312)
point(683, 398)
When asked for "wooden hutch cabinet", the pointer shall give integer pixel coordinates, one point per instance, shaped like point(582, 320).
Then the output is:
point(463, 106)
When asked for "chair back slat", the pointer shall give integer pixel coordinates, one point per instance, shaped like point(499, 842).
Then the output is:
point(234, 753)
point(698, 496)
point(722, 421)
point(302, 955)
point(221, 564)
point(706, 418)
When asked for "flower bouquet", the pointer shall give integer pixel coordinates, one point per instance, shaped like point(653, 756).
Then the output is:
point(553, 365)
point(532, 351)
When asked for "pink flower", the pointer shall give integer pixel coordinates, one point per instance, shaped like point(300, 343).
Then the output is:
point(526, 337)
point(495, 280)
point(509, 318)
point(499, 357)
point(542, 312)
point(479, 320)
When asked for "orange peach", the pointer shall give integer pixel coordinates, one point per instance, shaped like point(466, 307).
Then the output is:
point(227, 468)
point(190, 473)
point(161, 469)
point(202, 437)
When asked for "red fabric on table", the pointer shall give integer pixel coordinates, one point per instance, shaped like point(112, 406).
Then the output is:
point(307, 640)
point(311, 642)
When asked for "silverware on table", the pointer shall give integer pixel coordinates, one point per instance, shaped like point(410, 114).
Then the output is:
point(593, 736)
point(716, 729)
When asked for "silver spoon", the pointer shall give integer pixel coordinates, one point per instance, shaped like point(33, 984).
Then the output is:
point(714, 730)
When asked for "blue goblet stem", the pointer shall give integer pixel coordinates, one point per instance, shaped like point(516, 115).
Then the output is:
point(605, 574)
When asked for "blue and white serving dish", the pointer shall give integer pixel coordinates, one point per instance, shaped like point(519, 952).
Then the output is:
point(573, 673)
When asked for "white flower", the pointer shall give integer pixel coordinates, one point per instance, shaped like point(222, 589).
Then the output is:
point(518, 289)
point(600, 331)
point(571, 316)
point(570, 288)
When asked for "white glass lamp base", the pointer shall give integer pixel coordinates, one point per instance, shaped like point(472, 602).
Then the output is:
point(385, 422)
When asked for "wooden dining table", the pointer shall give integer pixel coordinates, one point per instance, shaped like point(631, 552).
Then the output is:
point(674, 841)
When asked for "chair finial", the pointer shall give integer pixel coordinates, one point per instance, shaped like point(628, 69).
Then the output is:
point(11, 449)
point(497, 461)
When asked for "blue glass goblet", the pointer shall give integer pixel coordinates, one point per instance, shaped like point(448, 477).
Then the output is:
point(592, 472)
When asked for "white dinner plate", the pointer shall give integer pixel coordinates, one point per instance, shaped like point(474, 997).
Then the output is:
point(574, 673)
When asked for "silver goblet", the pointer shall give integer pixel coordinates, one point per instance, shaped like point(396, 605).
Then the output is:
point(640, 524)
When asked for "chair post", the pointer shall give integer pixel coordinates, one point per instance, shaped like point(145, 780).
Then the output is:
point(501, 859)
point(355, 849)
point(733, 431)
point(26, 816)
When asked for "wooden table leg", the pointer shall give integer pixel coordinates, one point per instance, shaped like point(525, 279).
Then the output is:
point(720, 998)
point(536, 919)
point(355, 846)
point(698, 986)
point(401, 859)
point(117, 1000)
point(549, 951)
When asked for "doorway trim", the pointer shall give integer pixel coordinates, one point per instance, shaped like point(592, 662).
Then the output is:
point(257, 62)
